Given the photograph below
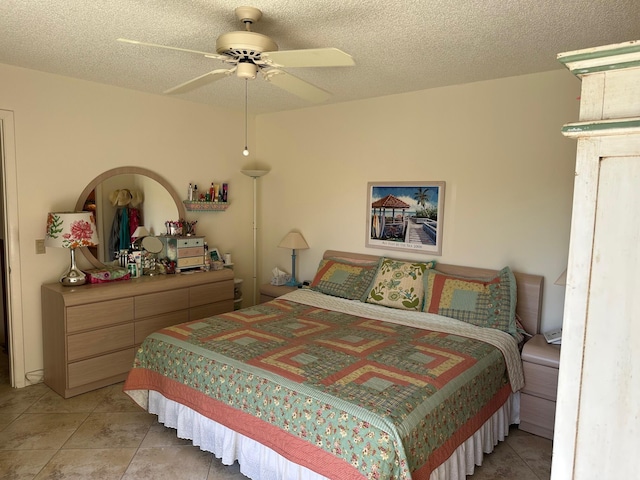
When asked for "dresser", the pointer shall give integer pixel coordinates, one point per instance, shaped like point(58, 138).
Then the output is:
point(91, 332)
point(597, 427)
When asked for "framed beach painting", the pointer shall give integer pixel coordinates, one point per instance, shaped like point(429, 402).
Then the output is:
point(405, 216)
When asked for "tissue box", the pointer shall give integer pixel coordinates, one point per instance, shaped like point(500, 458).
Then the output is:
point(279, 277)
point(280, 280)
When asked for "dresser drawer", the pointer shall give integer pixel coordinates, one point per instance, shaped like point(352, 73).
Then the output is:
point(203, 294)
point(540, 380)
point(99, 368)
point(149, 325)
point(100, 314)
point(191, 252)
point(190, 242)
point(158, 303)
point(96, 342)
point(190, 262)
point(537, 415)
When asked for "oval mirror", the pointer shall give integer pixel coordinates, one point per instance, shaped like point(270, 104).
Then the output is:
point(160, 203)
point(152, 244)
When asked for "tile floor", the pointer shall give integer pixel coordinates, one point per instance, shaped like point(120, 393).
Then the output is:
point(104, 435)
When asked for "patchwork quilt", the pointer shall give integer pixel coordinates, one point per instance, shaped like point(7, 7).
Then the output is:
point(335, 385)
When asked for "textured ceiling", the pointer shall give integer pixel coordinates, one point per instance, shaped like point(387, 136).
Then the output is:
point(398, 46)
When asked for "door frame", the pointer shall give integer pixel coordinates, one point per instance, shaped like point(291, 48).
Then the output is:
point(13, 271)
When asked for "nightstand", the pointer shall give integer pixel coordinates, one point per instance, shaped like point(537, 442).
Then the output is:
point(269, 292)
point(540, 361)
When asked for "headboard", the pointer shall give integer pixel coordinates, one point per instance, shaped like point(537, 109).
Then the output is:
point(529, 287)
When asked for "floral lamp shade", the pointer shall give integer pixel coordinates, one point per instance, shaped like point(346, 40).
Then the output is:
point(71, 230)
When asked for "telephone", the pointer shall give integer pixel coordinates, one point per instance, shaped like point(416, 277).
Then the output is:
point(554, 336)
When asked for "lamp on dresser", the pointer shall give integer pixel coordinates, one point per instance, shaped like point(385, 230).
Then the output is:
point(71, 230)
point(294, 241)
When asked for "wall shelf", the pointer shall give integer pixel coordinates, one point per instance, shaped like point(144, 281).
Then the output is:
point(205, 206)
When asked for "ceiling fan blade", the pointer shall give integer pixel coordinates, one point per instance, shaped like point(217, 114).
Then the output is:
point(312, 57)
point(297, 87)
point(206, 54)
point(200, 81)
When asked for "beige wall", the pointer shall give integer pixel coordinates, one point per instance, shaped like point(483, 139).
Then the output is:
point(68, 131)
point(497, 145)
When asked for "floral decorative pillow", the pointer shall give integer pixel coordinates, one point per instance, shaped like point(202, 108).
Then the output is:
point(345, 279)
point(483, 302)
point(399, 284)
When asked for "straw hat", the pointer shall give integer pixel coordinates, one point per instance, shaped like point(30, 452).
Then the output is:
point(124, 197)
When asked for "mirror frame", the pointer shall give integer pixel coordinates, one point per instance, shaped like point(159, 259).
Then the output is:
point(124, 171)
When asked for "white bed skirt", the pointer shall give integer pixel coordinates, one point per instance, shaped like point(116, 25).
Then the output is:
point(261, 463)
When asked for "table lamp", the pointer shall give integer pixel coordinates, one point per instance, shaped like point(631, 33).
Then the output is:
point(138, 235)
point(71, 230)
point(294, 241)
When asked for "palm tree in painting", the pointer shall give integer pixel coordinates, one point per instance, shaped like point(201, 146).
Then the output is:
point(421, 196)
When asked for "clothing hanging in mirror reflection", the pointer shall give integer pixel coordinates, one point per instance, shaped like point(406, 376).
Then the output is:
point(125, 222)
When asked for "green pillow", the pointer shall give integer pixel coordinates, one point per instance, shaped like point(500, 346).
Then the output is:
point(483, 302)
point(399, 284)
point(344, 279)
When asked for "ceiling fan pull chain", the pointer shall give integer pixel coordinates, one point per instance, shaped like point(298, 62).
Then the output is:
point(245, 152)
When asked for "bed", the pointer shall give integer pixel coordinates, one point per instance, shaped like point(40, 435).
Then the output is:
point(355, 377)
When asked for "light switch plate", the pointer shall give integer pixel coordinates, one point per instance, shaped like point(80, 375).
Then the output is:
point(40, 246)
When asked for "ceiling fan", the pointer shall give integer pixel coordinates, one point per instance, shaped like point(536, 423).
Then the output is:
point(250, 53)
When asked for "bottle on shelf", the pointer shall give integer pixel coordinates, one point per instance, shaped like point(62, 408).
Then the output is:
point(225, 190)
point(190, 193)
point(195, 193)
point(211, 192)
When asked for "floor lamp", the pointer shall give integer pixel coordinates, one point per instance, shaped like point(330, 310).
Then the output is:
point(255, 174)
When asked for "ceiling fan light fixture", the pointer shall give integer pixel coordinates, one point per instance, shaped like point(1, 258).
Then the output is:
point(247, 70)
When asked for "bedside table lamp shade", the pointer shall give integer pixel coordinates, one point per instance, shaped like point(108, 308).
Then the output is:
point(294, 241)
point(71, 230)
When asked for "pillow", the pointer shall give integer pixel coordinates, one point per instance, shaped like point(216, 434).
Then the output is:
point(484, 302)
point(399, 284)
point(345, 279)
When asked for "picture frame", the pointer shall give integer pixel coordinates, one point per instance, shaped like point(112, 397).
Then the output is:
point(214, 254)
point(406, 216)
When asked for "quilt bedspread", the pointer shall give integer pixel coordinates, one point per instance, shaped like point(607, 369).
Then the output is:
point(389, 400)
